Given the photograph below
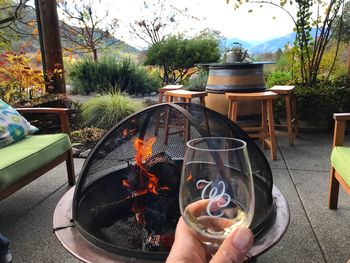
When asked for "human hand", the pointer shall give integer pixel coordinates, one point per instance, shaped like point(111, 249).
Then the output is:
point(188, 248)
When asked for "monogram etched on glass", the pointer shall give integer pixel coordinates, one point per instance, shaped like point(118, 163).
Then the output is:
point(216, 198)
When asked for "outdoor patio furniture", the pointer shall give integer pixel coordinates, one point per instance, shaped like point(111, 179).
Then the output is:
point(292, 121)
point(160, 120)
point(340, 159)
point(185, 96)
point(266, 133)
point(167, 88)
point(24, 161)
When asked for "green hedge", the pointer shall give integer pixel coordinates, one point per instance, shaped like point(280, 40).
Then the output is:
point(320, 102)
point(108, 74)
point(279, 78)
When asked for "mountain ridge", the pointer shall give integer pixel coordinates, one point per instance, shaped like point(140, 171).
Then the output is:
point(267, 46)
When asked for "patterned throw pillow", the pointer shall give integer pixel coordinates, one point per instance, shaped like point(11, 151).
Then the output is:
point(13, 126)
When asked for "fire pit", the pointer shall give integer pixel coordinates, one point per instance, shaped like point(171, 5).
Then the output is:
point(126, 199)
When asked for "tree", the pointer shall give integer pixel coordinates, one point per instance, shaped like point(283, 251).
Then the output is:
point(20, 21)
point(342, 29)
point(159, 19)
point(83, 27)
point(7, 16)
point(15, 22)
point(177, 56)
point(310, 48)
point(342, 24)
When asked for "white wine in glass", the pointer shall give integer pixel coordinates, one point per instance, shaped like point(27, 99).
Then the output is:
point(216, 190)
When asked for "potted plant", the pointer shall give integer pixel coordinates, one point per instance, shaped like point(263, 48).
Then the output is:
point(236, 53)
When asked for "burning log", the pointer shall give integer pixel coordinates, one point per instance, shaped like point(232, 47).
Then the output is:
point(168, 180)
point(160, 219)
point(167, 171)
point(163, 168)
point(161, 214)
point(153, 183)
point(106, 215)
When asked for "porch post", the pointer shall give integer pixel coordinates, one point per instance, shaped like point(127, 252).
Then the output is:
point(51, 40)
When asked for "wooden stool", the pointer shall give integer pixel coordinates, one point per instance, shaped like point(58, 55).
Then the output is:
point(185, 96)
point(167, 88)
point(160, 118)
point(292, 122)
point(265, 133)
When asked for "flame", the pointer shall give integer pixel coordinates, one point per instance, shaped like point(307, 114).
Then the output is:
point(143, 149)
point(125, 132)
point(143, 152)
point(126, 183)
point(189, 178)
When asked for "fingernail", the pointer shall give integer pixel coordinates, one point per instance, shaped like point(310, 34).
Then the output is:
point(242, 238)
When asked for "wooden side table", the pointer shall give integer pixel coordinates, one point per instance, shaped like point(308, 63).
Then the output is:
point(292, 121)
point(185, 96)
point(266, 133)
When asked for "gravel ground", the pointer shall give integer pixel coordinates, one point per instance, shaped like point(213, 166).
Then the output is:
point(84, 98)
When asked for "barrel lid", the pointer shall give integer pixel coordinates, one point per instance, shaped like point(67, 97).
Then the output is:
point(235, 64)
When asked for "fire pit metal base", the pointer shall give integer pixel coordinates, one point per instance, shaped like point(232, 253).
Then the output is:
point(87, 252)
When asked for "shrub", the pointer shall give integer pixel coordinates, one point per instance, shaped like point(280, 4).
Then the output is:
point(177, 55)
point(279, 78)
point(18, 79)
point(102, 76)
point(135, 79)
point(106, 110)
point(320, 102)
point(197, 82)
point(323, 100)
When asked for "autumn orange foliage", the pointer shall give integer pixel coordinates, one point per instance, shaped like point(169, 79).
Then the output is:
point(18, 79)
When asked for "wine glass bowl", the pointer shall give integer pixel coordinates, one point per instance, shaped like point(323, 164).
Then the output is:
point(216, 190)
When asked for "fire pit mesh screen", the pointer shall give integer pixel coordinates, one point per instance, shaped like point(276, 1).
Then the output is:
point(126, 198)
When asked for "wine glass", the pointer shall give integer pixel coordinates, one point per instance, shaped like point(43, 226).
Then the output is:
point(216, 191)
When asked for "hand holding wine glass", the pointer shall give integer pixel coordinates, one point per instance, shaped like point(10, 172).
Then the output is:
point(216, 191)
point(187, 248)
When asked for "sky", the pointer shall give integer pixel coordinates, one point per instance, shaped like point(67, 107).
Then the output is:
point(262, 24)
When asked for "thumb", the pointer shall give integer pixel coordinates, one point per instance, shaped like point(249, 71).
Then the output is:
point(235, 247)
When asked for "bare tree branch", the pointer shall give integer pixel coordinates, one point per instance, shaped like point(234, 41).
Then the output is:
point(84, 28)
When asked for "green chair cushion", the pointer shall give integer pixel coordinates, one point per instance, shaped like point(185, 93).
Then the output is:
point(340, 159)
point(27, 155)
